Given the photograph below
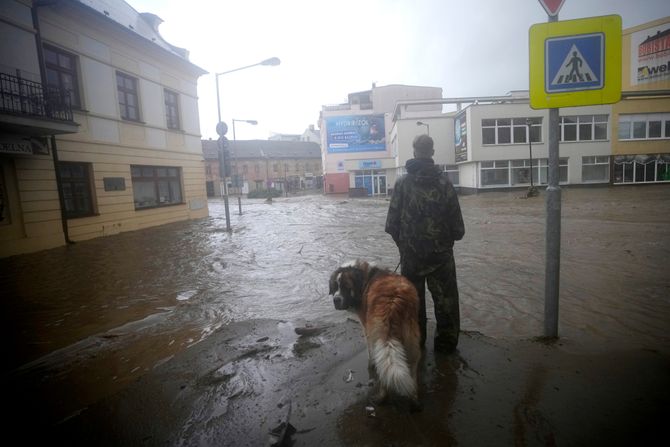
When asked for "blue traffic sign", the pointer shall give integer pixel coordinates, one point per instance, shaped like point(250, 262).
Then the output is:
point(574, 63)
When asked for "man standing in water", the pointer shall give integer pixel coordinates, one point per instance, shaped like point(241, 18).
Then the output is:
point(424, 219)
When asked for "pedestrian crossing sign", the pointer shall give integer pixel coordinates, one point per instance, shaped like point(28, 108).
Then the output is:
point(575, 62)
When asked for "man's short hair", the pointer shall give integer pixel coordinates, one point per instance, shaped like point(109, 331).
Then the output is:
point(423, 146)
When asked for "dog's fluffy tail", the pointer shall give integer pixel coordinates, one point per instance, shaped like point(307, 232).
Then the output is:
point(392, 368)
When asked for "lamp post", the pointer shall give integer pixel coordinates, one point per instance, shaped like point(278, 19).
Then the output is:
point(532, 191)
point(271, 61)
point(234, 157)
point(421, 123)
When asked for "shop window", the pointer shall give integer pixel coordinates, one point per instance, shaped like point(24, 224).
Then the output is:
point(156, 186)
point(595, 168)
point(453, 173)
point(495, 173)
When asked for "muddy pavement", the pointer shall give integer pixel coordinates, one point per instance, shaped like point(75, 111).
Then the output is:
point(185, 334)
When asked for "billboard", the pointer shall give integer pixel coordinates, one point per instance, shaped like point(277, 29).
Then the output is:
point(461, 137)
point(650, 55)
point(356, 133)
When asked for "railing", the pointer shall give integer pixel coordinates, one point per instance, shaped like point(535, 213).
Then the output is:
point(22, 97)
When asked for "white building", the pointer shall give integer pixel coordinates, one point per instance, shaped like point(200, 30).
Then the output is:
point(489, 143)
point(356, 138)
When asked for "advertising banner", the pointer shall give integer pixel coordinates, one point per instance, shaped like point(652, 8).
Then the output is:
point(650, 55)
point(357, 133)
point(461, 137)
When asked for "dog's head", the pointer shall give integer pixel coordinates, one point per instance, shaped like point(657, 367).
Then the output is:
point(347, 284)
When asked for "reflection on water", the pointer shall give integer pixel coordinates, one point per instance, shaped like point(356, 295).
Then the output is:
point(137, 298)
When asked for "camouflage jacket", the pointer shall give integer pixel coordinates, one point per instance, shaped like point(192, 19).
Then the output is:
point(424, 215)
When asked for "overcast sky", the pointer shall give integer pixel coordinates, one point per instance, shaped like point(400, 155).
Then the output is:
point(330, 49)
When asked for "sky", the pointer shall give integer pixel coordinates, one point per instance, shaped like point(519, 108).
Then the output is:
point(330, 49)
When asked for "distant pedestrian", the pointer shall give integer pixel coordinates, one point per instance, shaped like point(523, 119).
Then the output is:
point(424, 219)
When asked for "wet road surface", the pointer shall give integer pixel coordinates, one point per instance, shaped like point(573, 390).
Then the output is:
point(85, 321)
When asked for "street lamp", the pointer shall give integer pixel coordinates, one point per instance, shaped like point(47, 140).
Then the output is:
point(272, 61)
point(421, 123)
point(532, 191)
point(234, 156)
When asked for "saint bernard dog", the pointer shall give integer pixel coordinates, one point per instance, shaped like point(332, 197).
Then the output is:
point(388, 307)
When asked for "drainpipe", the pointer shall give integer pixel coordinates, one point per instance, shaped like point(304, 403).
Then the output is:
point(61, 198)
point(54, 148)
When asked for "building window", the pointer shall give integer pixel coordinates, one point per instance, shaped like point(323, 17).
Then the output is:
point(128, 96)
point(521, 172)
point(453, 173)
point(155, 186)
point(61, 71)
point(4, 198)
point(495, 173)
point(77, 189)
point(172, 109)
point(517, 172)
point(511, 130)
point(641, 168)
point(596, 168)
point(650, 126)
point(583, 128)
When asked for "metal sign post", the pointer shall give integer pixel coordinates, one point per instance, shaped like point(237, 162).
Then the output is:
point(572, 63)
point(222, 129)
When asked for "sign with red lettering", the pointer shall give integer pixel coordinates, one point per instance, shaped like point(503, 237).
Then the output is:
point(552, 6)
point(650, 55)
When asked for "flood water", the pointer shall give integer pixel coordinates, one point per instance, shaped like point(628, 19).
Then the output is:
point(105, 311)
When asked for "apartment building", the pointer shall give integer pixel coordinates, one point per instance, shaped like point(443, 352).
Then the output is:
point(99, 126)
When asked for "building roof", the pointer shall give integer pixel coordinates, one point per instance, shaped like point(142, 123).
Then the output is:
point(210, 149)
point(144, 25)
point(264, 149)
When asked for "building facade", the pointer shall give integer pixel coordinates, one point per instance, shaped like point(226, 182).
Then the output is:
point(355, 138)
point(498, 142)
point(98, 122)
point(501, 142)
point(259, 165)
point(641, 120)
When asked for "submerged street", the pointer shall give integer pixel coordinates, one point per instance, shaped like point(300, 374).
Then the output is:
point(186, 334)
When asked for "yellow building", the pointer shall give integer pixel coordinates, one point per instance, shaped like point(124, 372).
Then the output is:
point(641, 120)
point(99, 126)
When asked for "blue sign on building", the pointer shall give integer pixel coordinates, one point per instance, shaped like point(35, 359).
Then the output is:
point(574, 63)
point(369, 164)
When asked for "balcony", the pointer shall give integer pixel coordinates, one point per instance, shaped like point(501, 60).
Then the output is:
point(30, 108)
